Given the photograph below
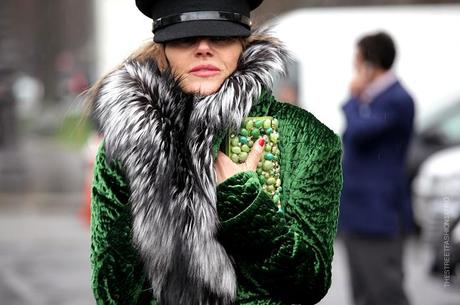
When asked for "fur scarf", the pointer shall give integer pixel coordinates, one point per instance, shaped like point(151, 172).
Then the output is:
point(163, 139)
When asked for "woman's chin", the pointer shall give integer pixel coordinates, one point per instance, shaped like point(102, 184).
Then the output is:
point(207, 91)
point(206, 87)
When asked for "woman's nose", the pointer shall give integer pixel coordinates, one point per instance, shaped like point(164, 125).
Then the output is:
point(204, 47)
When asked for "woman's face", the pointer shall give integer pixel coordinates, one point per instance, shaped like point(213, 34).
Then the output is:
point(203, 63)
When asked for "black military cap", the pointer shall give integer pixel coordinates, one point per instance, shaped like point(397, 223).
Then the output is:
point(176, 19)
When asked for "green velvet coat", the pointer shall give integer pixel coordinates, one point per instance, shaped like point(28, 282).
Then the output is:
point(279, 257)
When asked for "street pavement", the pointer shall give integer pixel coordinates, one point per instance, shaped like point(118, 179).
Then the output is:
point(422, 289)
point(44, 245)
point(44, 260)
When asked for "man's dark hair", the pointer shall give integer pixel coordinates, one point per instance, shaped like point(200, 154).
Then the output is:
point(378, 49)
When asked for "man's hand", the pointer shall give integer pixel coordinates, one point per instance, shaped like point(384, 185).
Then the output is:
point(225, 167)
point(357, 85)
point(364, 75)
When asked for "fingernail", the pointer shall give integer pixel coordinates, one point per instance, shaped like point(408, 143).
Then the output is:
point(261, 142)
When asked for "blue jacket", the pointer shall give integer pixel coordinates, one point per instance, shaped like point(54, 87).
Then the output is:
point(375, 198)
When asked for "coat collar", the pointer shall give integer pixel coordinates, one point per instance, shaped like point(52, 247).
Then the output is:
point(378, 86)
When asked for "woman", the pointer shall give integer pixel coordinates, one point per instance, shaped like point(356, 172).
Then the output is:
point(174, 221)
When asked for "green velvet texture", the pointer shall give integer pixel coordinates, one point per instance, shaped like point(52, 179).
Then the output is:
point(281, 257)
point(117, 273)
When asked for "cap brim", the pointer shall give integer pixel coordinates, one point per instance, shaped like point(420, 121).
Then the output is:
point(201, 28)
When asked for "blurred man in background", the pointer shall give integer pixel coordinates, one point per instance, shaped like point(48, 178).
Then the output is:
point(375, 207)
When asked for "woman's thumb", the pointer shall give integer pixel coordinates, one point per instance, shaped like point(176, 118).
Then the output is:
point(255, 154)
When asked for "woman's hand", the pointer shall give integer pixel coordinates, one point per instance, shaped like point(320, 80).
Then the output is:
point(225, 167)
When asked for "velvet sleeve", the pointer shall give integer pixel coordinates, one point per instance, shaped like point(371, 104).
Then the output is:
point(287, 254)
point(117, 275)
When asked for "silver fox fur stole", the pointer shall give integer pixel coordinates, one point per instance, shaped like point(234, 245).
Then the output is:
point(163, 139)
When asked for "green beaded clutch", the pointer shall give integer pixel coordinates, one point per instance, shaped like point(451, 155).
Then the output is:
point(238, 147)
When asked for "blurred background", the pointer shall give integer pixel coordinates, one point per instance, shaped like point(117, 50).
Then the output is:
point(52, 50)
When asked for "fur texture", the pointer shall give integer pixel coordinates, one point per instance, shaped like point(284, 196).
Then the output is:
point(163, 139)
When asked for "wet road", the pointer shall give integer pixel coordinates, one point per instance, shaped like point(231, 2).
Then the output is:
point(44, 261)
point(44, 247)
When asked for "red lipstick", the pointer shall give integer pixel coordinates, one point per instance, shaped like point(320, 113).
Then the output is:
point(204, 70)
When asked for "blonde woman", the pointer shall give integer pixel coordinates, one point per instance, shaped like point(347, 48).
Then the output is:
point(174, 220)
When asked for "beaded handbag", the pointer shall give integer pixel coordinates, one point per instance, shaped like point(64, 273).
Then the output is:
point(239, 145)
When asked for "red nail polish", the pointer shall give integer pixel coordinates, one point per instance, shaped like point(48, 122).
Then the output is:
point(261, 142)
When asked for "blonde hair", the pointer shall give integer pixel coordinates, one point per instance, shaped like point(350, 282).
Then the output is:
point(156, 51)
point(149, 51)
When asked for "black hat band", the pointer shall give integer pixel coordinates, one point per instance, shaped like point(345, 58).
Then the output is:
point(201, 15)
